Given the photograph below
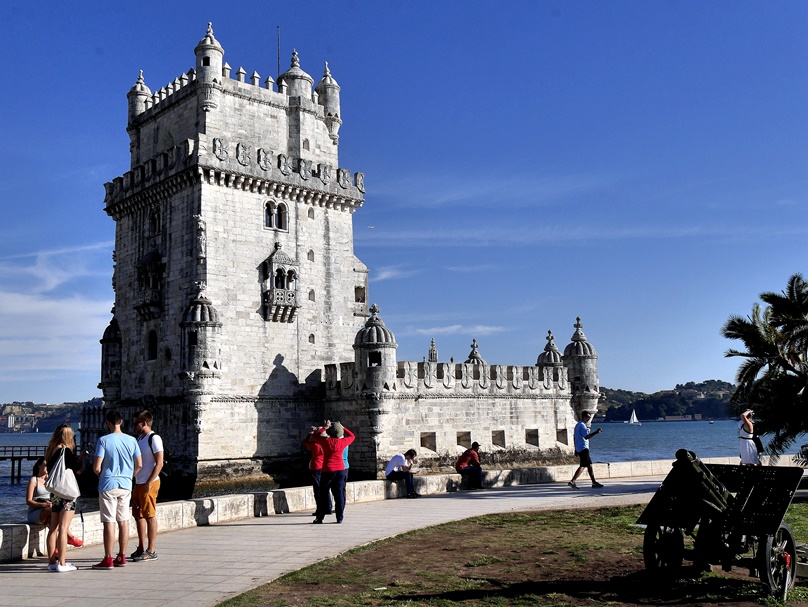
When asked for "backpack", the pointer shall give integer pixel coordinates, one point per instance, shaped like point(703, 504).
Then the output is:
point(166, 470)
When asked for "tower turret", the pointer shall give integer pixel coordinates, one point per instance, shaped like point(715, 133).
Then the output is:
point(110, 383)
point(137, 97)
point(375, 356)
point(297, 81)
point(209, 54)
point(551, 357)
point(582, 361)
point(328, 96)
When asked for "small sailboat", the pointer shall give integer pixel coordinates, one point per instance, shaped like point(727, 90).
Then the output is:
point(634, 421)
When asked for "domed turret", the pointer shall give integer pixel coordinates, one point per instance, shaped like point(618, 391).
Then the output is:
point(209, 54)
point(137, 97)
point(110, 383)
point(328, 96)
point(375, 355)
point(551, 357)
point(299, 83)
point(582, 361)
point(474, 355)
point(200, 326)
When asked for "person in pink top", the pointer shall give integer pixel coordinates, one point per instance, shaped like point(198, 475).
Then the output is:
point(332, 477)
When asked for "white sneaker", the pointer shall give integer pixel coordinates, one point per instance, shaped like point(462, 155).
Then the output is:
point(65, 568)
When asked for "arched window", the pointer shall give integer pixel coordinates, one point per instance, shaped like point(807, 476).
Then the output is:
point(311, 213)
point(310, 256)
point(305, 144)
point(311, 295)
point(281, 218)
point(280, 279)
point(154, 223)
point(151, 345)
point(359, 294)
point(311, 338)
point(290, 279)
point(269, 215)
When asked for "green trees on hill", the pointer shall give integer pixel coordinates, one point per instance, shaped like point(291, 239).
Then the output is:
point(710, 399)
point(773, 377)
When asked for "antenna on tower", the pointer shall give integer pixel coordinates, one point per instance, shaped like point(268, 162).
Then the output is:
point(279, 49)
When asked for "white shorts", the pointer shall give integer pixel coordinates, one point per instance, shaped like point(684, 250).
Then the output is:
point(113, 505)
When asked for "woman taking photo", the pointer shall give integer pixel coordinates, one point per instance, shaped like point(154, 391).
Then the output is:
point(61, 510)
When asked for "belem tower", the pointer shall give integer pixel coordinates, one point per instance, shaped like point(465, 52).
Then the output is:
point(241, 313)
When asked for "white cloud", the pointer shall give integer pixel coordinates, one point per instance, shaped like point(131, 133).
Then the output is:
point(391, 273)
point(502, 190)
point(472, 330)
point(44, 271)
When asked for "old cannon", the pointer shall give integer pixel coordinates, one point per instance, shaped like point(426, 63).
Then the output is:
point(734, 514)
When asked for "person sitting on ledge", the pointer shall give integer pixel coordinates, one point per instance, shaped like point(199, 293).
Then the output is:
point(400, 468)
point(468, 466)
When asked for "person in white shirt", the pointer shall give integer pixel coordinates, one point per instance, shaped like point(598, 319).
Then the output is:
point(400, 467)
point(147, 486)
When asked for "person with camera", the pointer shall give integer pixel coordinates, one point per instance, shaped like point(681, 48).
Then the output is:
point(582, 436)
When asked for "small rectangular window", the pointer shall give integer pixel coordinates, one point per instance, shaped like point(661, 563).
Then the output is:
point(374, 359)
point(532, 437)
point(464, 439)
point(562, 436)
point(428, 441)
point(498, 438)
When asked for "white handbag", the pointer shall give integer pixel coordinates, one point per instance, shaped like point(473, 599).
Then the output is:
point(62, 481)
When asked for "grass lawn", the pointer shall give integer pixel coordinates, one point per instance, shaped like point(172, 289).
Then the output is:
point(560, 558)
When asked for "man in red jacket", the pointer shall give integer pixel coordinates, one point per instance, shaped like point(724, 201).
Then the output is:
point(332, 477)
point(468, 466)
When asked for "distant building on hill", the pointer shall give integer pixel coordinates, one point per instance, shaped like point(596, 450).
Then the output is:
point(241, 313)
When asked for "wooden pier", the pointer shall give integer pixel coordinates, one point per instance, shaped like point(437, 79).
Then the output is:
point(17, 455)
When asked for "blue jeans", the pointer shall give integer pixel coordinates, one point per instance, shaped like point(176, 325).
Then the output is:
point(333, 482)
point(315, 485)
point(398, 475)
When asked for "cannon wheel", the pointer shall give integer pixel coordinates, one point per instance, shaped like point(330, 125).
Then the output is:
point(778, 561)
point(663, 547)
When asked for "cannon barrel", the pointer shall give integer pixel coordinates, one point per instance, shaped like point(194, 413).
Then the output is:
point(693, 475)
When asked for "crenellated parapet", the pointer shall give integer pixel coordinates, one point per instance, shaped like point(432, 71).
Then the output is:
point(456, 379)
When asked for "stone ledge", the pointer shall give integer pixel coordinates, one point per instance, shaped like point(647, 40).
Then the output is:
point(27, 541)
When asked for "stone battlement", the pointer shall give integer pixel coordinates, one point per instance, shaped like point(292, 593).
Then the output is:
point(435, 377)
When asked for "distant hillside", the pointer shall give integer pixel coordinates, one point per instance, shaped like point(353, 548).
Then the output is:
point(709, 398)
point(34, 417)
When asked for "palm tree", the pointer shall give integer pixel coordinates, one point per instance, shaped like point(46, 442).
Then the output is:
point(774, 377)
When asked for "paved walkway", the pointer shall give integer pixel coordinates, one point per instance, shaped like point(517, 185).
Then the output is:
point(202, 566)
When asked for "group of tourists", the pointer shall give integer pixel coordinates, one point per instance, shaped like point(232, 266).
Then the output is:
point(118, 458)
point(329, 468)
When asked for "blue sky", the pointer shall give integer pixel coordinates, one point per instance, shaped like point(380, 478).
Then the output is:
point(640, 164)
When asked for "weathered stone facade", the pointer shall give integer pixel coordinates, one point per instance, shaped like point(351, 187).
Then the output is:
point(238, 296)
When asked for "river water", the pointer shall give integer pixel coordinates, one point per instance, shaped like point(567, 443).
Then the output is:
point(617, 443)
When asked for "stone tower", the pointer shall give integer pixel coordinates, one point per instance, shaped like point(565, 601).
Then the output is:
point(235, 277)
point(582, 361)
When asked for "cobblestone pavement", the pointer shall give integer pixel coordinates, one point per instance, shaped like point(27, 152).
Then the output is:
point(202, 566)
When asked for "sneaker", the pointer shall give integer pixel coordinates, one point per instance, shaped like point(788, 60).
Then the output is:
point(317, 521)
point(120, 560)
point(572, 485)
point(146, 556)
point(596, 485)
point(412, 495)
point(74, 541)
point(65, 568)
point(106, 563)
point(52, 566)
point(137, 553)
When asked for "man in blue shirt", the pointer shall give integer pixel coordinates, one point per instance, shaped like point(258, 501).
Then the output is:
point(117, 460)
point(582, 436)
